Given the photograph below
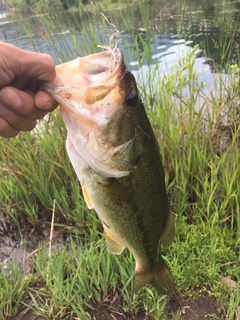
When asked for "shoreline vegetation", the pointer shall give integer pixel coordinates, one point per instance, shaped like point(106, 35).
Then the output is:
point(26, 8)
point(53, 259)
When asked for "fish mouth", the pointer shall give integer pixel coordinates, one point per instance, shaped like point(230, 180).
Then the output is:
point(89, 79)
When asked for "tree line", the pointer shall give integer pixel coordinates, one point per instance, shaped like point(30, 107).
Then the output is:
point(28, 7)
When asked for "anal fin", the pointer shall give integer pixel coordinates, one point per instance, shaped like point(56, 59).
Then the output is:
point(113, 246)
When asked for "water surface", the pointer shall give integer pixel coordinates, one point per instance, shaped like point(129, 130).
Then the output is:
point(154, 34)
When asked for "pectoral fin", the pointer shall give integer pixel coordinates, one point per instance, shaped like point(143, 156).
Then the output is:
point(120, 193)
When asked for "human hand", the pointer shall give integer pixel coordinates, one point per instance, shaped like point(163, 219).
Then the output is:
point(21, 104)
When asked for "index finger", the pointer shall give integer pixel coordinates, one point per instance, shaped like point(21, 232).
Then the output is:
point(39, 66)
point(22, 62)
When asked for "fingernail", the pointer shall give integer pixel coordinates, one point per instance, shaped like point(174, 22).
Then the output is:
point(10, 98)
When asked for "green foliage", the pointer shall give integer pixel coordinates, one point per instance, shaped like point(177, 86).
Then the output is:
point(12, 287)
point(204, 194)
point(23, 8)
point(35, 185)
point(203, 187)
point(20, 7)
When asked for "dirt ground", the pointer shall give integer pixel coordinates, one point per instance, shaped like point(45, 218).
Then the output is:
point(12, 250)
point(186, 308)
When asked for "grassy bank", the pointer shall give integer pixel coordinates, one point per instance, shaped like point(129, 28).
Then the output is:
point(64, 270)
point(201, 157)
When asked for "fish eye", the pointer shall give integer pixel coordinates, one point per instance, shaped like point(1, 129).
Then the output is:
point(132, 99)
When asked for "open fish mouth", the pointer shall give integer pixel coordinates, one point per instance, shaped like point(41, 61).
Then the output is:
point(88, 78)
point(86, 86)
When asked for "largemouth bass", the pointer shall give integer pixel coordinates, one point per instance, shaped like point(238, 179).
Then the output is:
point(116, 157)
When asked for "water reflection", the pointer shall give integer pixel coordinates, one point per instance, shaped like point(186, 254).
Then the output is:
point(2, 15)
point(151, 77)
point(155, 24)
point(168, 31)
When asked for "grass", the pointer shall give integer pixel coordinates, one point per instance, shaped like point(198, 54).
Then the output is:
point(203, 177)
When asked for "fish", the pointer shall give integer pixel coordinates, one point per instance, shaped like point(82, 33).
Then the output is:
point(114, 152)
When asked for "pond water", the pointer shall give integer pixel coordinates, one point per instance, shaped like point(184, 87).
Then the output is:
point(156, 33)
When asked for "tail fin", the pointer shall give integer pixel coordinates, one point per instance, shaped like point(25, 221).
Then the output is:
point(161, 279)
